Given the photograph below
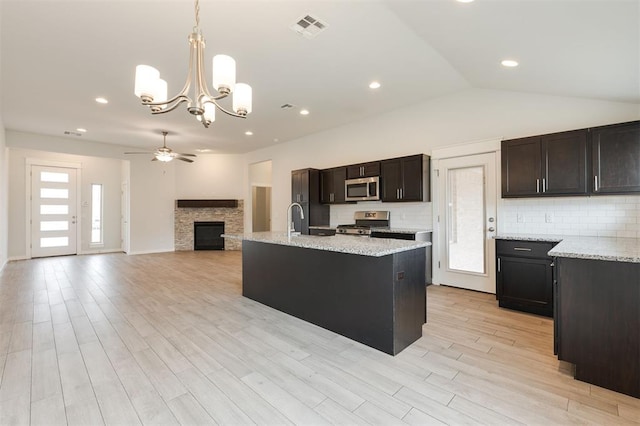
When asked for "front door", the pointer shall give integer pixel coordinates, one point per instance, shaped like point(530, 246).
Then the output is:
point(467, 212)
point(53, 211)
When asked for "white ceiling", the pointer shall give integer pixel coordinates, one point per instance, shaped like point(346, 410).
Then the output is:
point(58, 56)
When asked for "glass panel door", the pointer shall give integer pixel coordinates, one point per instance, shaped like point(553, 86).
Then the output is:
point(466, 188)
point(53, 211)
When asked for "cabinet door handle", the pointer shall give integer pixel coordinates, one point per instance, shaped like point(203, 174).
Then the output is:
point(521, 249)
point(537, 186)
point(544, 185)
point(499, 264)
point(595, 183)
point(398, 194)
point(401, 194)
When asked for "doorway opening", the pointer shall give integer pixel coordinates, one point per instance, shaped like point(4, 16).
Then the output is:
point(260, 181)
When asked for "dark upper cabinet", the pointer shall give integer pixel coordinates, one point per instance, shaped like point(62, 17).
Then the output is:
point(371, 169)
point(521, 167)
point(564, 163)
point(616, 158)
point(554, 164)
point(332, 185)
point(305, 189)
point(405, 179)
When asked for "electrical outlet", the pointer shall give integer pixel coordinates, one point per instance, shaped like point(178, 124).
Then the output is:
point(520, 218)
point(548, 217)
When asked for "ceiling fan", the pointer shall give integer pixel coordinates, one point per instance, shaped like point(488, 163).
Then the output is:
point(165, 153)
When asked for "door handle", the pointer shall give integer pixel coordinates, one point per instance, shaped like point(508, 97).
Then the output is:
point(537, 186)
point(544, 185)
point(521, 249)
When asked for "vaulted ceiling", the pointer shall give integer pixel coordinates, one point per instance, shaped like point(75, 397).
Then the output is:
point(58, 56)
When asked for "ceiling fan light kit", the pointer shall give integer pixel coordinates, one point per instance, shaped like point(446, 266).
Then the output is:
point(166, 154)
point(152, 90)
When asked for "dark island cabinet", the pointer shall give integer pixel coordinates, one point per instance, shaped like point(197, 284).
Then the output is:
point(305, 190)
point(616, 158)
point(525, 276)
point(547, 165)
point(332, 185)
point(363, 170)
point(405, 179)
point(597, 321)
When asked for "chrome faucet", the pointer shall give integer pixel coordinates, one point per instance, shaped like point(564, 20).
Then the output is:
point(290, 226)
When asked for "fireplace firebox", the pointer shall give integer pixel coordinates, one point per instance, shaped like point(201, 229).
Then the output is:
point(207, 235)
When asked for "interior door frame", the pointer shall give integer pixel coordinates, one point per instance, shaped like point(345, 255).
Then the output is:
point(488, 146)
point(48, 163)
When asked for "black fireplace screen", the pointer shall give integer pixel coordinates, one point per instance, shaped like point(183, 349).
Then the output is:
point(207, 235)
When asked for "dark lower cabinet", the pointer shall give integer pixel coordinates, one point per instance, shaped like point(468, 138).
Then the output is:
point(525, 276)
point(598, 322)
point(419, 236)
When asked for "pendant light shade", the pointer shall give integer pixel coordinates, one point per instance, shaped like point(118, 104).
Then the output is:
point(242, 99)
point(224, 73)
point(146, 81)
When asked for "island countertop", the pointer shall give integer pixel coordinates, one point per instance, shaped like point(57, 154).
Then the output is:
point(363, 246)
point(594, 248)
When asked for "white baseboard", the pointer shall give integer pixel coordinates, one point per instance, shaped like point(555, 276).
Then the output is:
point(150, 252)
point(14, 258)
point(101, 251)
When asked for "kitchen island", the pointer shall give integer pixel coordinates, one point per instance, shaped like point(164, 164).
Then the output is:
point(597, 310)
point(370, 290)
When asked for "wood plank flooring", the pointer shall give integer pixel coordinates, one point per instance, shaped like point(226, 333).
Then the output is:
point(168, 339)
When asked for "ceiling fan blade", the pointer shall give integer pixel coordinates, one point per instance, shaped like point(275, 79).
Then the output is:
point(147, 152)
point(184, 159)
point(188, 155)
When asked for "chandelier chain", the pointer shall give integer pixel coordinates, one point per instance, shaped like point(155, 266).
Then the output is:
point(197, 13)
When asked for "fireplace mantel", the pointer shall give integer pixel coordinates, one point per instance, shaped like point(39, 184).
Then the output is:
point(206, 203)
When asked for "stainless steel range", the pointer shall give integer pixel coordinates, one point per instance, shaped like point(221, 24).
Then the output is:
point(365, 222)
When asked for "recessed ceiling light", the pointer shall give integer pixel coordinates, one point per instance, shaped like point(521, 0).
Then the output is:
point(248, 133)
point(304, 112)
point(276, 140)
point(465, 1)
point(374, 85)
point(81, 130)
point(509, 63)
point(203, 150)
point(102, 100)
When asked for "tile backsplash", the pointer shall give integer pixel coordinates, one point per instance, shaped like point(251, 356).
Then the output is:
point(403, 215)
point(601, 216)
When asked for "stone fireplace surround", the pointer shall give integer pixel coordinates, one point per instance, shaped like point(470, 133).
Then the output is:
point(184, 217)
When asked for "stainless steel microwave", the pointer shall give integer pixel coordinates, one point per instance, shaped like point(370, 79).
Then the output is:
point(362, 189)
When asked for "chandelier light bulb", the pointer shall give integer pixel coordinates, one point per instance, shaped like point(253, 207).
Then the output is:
point(209, 112)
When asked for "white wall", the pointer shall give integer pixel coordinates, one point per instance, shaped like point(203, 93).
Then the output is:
point(466, 116)
point(211, 176)
point(104, 171)
point(4, 187)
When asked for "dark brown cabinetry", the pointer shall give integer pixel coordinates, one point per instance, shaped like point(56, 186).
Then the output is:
point(305, 189)
point(371, 169)
point(415, 236)
point(525, 276)
point(405, 179)
point(332, 185)
point(616, 158)
point(597, 322)
point(546, 165)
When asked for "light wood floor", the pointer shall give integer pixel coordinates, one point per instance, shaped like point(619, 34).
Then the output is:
point(168, 339)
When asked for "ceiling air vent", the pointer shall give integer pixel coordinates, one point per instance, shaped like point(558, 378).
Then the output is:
point(286, 106)
point(308, 26)
point(67, 132)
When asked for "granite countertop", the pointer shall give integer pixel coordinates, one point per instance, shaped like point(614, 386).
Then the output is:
point(594, 248)
point(387, 230)
point(374, 247)
point(530, 237)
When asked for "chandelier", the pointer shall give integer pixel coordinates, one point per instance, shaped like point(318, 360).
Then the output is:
point(152, 90)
